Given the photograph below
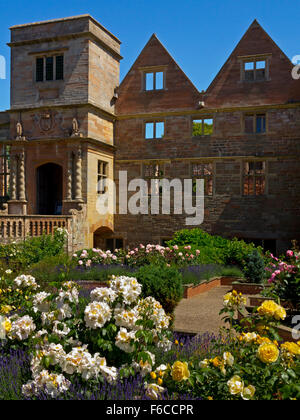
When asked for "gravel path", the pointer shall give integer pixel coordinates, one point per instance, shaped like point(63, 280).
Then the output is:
point(200, 314)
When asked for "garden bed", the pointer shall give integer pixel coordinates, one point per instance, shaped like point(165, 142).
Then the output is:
point(191, 290)
point(284, 332)
point(248, 288)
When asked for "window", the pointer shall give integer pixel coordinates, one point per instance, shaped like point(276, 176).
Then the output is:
point(203, 127)
point(154, 130)
point(4, 172)
point(254, 178)
point(154, 172)
point(112, 244)
point(50, 68)
point(255, 124)
point(102, 176)
point(154, 80)
point(254, 70)
point(203, 171)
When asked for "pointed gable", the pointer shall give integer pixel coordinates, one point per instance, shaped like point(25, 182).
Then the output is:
point(229, 87)
point(178, 94)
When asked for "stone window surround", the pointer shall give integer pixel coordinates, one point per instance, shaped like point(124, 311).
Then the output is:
point(153, 69)
point(202, 117)
point(162, 170)
point(44, 54)
point(243, 162)
point(254, 58)
point(255, 114)
point(154, 121)
point(4, 172)
point(213, 176)
point(102, 174)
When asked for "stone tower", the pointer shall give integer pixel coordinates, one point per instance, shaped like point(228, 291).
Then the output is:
point(64, 79)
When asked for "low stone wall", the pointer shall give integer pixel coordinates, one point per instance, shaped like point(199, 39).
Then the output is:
point(247, 288)
point(191, 290)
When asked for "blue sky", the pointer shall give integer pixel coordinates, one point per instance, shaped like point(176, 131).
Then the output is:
point(200, 34)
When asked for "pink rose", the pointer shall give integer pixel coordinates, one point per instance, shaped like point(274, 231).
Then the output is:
point(290, 253)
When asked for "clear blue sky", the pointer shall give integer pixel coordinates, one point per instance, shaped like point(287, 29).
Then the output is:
point(200, 34)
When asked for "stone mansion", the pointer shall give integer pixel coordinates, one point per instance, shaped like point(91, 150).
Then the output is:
point(72, 125)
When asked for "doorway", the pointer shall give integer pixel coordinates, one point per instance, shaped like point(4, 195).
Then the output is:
point(49, 189)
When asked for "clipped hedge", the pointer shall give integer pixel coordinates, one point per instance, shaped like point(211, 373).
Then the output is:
point(164, 283)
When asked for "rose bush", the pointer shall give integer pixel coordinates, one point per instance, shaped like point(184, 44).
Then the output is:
point(117, 334)
point(284, 279)
point(246, 363)
point(111, 335)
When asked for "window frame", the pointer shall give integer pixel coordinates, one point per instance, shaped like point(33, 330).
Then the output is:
point(102, 175)
point(202, 119)
point(255, 176)
point(254, 122)
point(148, 178)
point(114, 241)
point(5, 174)
point(255, 59)
point(54, 66)
point(154, 122)
point(154, 72)
point(203, 176)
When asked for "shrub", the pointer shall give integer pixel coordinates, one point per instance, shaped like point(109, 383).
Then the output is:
point(232, 272)
point(254, 268)
point(285, 279)
point(163, 283)
point(23, 254)
point(214, 249)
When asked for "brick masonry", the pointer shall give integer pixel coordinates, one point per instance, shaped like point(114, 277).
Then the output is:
point(111, 128)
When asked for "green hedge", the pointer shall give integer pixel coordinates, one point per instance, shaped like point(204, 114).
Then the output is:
point(215, 249)
point(163, 283)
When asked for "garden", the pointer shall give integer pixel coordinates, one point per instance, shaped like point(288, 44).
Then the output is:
point(63, 340)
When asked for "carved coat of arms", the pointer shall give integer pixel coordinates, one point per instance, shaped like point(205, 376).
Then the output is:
point(46, 121)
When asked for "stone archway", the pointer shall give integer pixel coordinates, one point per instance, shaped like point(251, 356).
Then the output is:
point(105, 239)
point(49, 189)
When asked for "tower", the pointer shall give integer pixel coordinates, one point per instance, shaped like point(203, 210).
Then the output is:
point(64, 76)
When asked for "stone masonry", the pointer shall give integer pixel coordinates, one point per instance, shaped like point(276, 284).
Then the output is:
point(63, 133)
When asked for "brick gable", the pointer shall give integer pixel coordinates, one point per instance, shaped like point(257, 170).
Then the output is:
point(227, 89)
point(179, 94)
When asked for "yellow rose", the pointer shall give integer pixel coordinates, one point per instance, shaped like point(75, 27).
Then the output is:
point(6, 324)
point(235, 385)
point(263, 340)
point(180, 371)
point(228, 358)
point(268, 308)
point(280, 313)
point(268, 353)
point(248, 392)
point(159, 381)
point(217, 362)
point(271, 309)
point(292, 348)
point(5, 309)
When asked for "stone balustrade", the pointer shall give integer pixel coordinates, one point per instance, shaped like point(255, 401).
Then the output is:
point(14, 228)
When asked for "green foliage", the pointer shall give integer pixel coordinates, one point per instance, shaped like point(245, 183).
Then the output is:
point(232, 272)
point(53, 268)
point(23, 254)
point(254, 268)
point(163, 283)
point(214, 249)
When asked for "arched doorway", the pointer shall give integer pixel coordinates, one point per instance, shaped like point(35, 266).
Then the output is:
point(49, 189)
point(105, 239)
